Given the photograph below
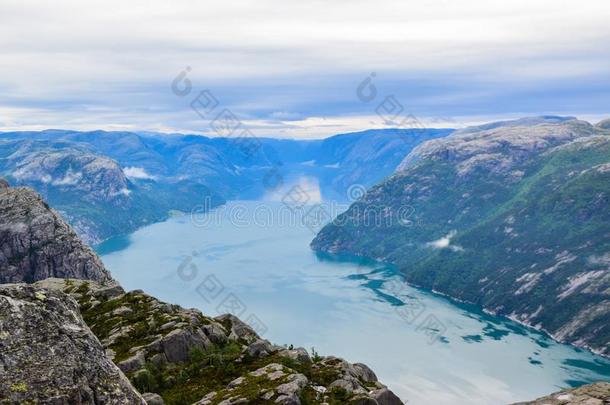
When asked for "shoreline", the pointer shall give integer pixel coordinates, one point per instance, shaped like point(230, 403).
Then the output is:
point(478, 306)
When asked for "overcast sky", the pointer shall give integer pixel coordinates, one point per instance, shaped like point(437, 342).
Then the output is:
point(292, 69)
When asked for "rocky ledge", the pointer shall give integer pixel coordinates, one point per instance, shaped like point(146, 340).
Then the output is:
point(176, 355)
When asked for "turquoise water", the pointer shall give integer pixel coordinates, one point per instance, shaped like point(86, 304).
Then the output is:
point(253, 258)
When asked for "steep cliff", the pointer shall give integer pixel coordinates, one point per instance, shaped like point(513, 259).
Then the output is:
point(36, 243)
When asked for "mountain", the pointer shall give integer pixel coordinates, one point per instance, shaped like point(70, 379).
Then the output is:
point(37, 243)
point(111, 183)
point(61, 339)
point(365, 158)
point(235, 167)
point(604, 124)
point(93, 191)
point(512, 216)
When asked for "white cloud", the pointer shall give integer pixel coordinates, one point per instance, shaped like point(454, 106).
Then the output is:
point(71, 178)
point(442, 242)
point(445, 242)
point(137, 173)
point(111, 67)
point(121, 192)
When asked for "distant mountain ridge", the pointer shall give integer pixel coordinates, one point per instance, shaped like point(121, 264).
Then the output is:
point(512, 216)
point(221, 165)
point(110, 183)
point(91, 190)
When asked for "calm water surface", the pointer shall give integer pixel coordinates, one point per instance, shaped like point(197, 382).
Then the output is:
point(254, 258)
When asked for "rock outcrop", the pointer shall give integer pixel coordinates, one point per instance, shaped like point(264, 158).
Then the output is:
point(280, 384)
point(49, 355)
point(36, 243)
point(182, 355)
point(592, 394)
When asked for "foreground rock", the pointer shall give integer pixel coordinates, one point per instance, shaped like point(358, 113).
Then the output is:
point(185, 357)
point(36, 243)
point(592, 394)
point(277, 383)
point(49, 355)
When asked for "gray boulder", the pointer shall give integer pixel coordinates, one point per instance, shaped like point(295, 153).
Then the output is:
point(239, 329)
point(153, 399)
point(384, 396)
point(299, 354)
point(364, 372)
point(177, 344)
point(260, 348)
point(135, 362)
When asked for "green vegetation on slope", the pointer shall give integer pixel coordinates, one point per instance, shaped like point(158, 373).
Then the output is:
point(185, 356)
point(530, 240)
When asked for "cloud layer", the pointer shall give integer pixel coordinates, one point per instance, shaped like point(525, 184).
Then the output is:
point(291, 69)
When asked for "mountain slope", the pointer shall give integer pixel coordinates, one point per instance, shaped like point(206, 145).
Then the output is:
point(366, 157)
point(511, 216)
point(92, 191)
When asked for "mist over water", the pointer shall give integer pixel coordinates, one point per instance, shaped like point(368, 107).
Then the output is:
point(265, 271)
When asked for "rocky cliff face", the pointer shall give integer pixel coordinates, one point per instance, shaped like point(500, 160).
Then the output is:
point(36, 243)
point(49, 355)
point(512, 216)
